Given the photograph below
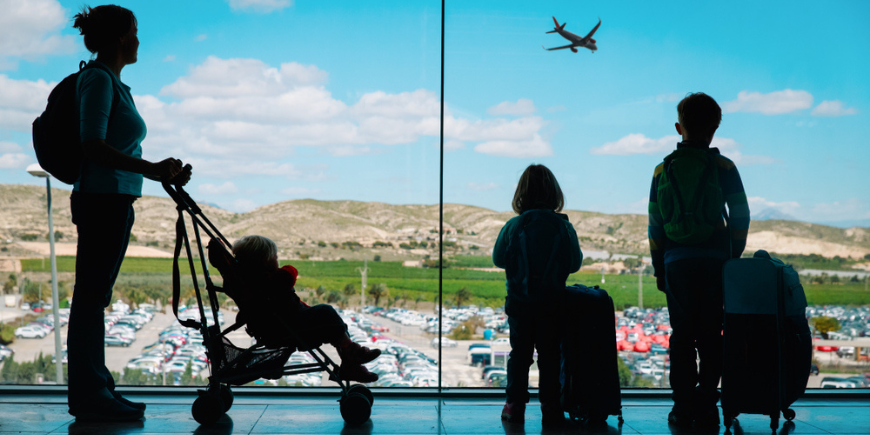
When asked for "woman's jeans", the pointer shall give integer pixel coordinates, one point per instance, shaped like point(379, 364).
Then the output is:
point(103, 223)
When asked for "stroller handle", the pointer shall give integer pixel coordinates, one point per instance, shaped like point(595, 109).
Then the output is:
point(178, 194)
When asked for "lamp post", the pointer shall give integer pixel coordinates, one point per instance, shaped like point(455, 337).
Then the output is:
point(37, 171)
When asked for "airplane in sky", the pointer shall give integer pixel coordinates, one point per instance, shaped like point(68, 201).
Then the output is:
point(576, 41)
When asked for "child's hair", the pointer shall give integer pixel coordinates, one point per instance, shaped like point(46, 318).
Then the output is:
point(102, 26)
point(254, 251)
point(538, 188)
point(699, 115)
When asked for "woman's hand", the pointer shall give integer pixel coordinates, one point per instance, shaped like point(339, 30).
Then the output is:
point(183, 177)
point(168, 169)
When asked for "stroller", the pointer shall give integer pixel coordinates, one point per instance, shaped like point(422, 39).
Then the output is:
point(232, 365)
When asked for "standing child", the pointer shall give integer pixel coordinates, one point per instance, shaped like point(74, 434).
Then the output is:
point(538, 250)
point(690, 242)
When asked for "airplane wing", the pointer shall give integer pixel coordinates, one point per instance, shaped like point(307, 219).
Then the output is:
point(558, 48)
point(593, 29)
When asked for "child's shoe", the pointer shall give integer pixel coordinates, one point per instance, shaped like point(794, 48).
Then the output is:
point(356, 354)
point(514, 412)
point(552, 414)
point(356, 372)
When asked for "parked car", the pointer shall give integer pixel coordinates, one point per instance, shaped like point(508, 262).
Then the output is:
point(832, 382)
point(116, 340)
point(445, 342)
point(30, 331)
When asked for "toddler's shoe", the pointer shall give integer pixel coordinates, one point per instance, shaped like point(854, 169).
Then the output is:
point(514, 412)
point(356, 372)
point(357, 354)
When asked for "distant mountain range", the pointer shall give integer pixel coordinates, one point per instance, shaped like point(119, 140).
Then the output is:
point(299, 226)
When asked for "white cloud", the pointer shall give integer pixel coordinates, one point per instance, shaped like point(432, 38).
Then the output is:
point(9, 147)
point(758, 204)
point(522, 107)
point(832, 108)
point(30, 29)
point(169, 58)
point(246, 111)
point(853, 208)
point(260, 6)
point(14, 160)
point(21, 101)
point(350, 151)
point(668, 98)
point(453, 145)
point(242, 206)
point(731, 149)
point(224, 189)
point(200, 38)
point(774, 103)
point(481, 187)
point(522, 149)
point(299, 191)
point(637, 143)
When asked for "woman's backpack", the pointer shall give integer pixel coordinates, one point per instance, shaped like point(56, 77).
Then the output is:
point(56, 138)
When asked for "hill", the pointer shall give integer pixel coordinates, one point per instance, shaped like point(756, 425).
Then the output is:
point(317, 229)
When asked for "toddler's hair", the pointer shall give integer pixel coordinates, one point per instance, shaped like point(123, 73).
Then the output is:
point(254, 251)
point(699, 115)
point(538, 188)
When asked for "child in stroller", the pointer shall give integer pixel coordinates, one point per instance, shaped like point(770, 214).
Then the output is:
point(257, 258)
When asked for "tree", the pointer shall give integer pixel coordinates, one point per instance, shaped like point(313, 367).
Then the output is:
point(835, 279)
point(378, 291)
point(334, 297)
point(462, 296)
point(404, 298)
point(377, 258)
point(320, 290)
point(349, 290)
point(418, 300)
point(32, 291)
point(10, 284)
point(393, 300)
point(187, 376)
point(824, 325)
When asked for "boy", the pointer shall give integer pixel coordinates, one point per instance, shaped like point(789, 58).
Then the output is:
point(691, 236)
point(257, 258)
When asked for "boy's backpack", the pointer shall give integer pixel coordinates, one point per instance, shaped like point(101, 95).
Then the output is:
point(689, 196)
point(538, 250)
point(56, 138)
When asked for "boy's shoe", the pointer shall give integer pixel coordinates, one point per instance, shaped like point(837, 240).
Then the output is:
point(135, 405)
point(707, 419)
point(679, 419)
point(356, 354)
point(106, 410)
point(356, 372)
point(552, 414)
point(514, 412)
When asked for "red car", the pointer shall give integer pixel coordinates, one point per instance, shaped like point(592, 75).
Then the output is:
point(380, 328)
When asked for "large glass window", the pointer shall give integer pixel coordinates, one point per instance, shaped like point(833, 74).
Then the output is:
point(318, 125)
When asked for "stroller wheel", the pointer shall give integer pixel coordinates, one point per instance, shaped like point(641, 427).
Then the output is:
point(355, 408)
point(207, 408)
point(788, 413)
point(360, 388)
point(226, 397)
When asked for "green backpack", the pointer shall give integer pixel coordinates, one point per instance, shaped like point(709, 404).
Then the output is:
point(689, 196)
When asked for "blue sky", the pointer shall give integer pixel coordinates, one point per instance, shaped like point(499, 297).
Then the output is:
point(273, 100)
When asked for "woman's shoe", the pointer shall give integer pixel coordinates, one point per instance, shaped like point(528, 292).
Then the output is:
point(135, 405)
point(106, 410)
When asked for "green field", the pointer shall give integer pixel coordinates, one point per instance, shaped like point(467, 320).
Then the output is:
point(409, 283)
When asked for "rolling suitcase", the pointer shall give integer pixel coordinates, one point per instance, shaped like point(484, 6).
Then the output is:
point(768, 345)
point(589, 376)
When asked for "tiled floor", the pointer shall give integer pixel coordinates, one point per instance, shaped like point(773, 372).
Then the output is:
point(282, 415)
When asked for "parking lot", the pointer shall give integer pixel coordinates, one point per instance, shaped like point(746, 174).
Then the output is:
point(634, 328)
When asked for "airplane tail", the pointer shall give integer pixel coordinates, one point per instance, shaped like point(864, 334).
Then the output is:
point(558, 27)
